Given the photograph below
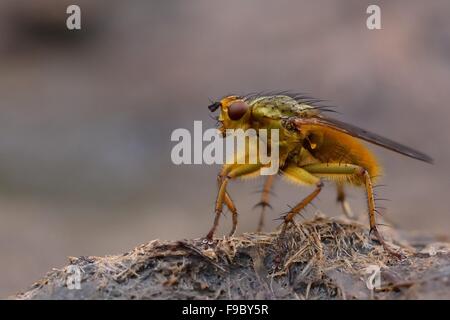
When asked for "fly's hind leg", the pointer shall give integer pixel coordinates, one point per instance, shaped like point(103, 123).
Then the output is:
point(264, 203)
point(355, 171)
point(341, 198)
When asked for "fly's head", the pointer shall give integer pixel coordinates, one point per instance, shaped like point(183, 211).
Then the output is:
point(234, 113)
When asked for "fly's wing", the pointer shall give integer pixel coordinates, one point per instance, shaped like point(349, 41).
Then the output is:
point(364, 135)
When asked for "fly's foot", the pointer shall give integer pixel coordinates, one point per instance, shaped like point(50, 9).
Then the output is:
point(395, 253)
point(208, 243)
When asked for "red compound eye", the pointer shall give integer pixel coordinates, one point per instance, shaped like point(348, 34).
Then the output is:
point(237, 109)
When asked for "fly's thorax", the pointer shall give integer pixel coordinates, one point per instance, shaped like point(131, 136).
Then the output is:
point(280, 107)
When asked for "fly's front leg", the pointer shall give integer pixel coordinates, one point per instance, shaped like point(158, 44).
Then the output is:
point(264, 203)
point(361, 174)
point(230, 204)
point(228, 172)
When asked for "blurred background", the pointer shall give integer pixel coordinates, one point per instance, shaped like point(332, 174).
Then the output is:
point(86, 116)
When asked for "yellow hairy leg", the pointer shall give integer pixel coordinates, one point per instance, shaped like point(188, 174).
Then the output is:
point(231, 206)
point(229, 172)
point(354, 172)
point(301, 176)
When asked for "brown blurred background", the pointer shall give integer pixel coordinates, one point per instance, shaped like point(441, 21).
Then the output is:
point(86, 116)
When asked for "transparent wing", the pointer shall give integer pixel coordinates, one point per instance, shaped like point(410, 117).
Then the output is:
point(364, 135)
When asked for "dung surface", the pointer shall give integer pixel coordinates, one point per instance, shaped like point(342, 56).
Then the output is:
point(318, 259)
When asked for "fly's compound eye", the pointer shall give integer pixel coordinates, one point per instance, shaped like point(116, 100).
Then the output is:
point(237, 109)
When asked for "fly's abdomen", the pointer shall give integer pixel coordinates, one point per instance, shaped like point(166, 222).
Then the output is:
point(330, 146)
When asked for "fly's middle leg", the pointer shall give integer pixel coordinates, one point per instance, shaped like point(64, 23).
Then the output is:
point(301, 176)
